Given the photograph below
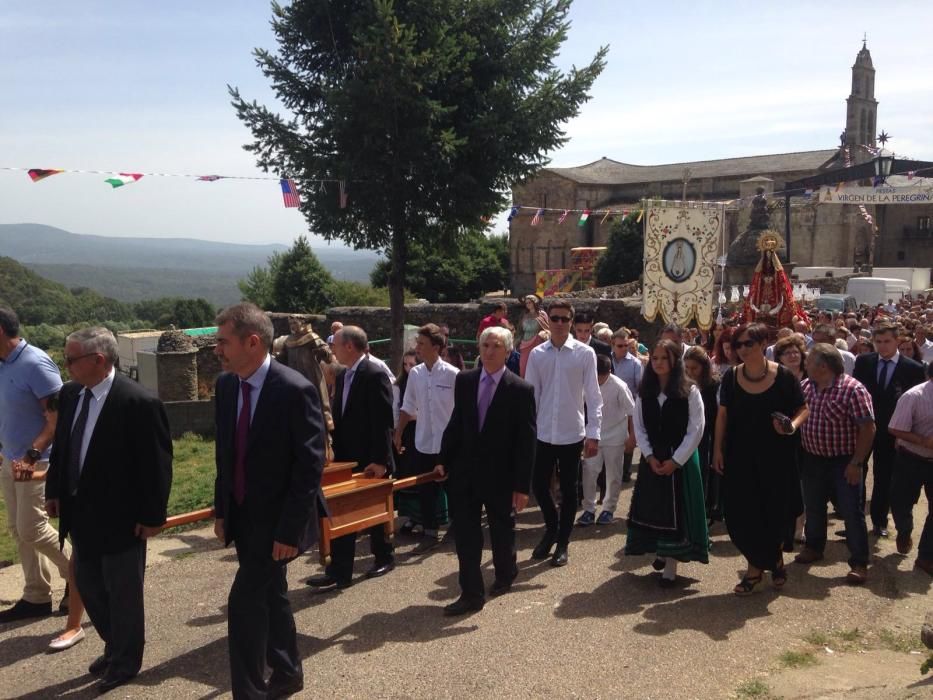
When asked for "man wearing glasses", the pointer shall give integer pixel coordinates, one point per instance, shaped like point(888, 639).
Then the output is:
point(629, 369)
point(562, 371)
point(28, 380)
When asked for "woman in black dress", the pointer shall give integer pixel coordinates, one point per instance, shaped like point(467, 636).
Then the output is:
point(760, 407)
point(699, 368)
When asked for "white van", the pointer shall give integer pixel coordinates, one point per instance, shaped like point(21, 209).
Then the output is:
point(876, 290)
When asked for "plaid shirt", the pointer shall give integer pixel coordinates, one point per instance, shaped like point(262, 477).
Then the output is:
point(835, 416)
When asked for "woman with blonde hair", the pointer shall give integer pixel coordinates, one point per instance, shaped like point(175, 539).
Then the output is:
point(534, 329)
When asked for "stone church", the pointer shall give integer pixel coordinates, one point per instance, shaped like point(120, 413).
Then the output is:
point(827, 235)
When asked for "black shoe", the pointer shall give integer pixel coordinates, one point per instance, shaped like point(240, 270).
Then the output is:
point(24, 610)
point(499, 588)
point(626, 477)
point(327, 581)
point(108, 683)
point(380, 569)
point(98, 666)
point(462, 606)
point(658, 564)
point(840, 533)
point(560, 556)
point(879, 531)
point(283, 687)
point(543, 550)
point(63, 605)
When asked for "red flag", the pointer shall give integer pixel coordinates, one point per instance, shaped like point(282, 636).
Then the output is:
point(536, 219)
point(563, 216)
point(290, 193)
point(37, 174)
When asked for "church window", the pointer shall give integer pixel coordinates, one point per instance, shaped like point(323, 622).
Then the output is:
point(925, 223)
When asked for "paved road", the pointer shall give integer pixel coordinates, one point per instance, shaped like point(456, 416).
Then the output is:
point(598, 628)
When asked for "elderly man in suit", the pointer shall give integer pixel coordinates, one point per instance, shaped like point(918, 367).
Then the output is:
point(887, 375)
point(363, 430)
point(110, 473)
point(267, 495)
point(488, 453)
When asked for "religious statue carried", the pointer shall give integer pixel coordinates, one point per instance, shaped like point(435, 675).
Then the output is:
point(770, 299)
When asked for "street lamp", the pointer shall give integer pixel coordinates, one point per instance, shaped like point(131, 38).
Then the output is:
point(884, 161)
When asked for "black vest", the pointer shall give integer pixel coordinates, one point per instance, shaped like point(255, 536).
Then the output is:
point(666, 425)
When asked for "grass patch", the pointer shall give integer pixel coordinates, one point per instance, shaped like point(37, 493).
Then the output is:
point(899, 641)
point(852, 635)
point(819, 639)
point(797, 659)
point(754, 689)
point(192, 487)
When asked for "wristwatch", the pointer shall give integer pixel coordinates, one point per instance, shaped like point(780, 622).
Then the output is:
point(33, 455)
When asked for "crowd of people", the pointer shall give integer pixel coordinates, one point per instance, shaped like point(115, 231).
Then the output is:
point(747, 424)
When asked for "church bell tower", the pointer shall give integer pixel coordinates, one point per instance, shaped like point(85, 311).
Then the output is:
point(861, 106)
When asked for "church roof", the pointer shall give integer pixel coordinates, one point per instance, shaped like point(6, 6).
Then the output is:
point(611, 172)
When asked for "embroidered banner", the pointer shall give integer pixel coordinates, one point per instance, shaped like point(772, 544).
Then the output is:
point(550, 282)
point(682, 242)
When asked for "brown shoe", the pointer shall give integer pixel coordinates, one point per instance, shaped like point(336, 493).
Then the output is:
point(808, 556)
point(904, 543)
point(925, 565)
point(857, 576)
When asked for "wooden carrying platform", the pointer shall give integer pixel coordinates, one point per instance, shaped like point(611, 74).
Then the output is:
point(356, 503)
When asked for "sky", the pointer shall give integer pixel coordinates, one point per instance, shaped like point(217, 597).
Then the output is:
point(142, 87)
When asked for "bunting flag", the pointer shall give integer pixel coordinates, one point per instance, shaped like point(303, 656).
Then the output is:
point(583, 217)
point(911, 174)
point(123, 179)
point(563, 216)
point(512, 214)
point(641, 213)
point(343, 196)
point(603, 220)
point(536, 219)
point(37, 174)
point(289, 193)
point(209, 178)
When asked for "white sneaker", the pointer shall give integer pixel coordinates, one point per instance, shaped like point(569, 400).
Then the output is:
point(59, 644)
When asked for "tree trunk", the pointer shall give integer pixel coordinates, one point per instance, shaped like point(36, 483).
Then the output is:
point(399, 262)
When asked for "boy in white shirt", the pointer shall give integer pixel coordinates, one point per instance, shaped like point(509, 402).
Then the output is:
point(617, 438)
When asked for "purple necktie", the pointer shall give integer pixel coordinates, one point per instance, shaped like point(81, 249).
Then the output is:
point(347, 379)
point(239, 443)
point(487, 386)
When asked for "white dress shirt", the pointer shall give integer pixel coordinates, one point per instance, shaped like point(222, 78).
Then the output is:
point(926, 351)
point(629, 369)
point(429, 398)
point(848, 361)
point(563, 379)
point(381, 365)
point(99, 393)
point(618, 405)
point(696, 422)
point(255, 381)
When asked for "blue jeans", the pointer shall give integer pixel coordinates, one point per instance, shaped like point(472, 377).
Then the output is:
point(822, 476)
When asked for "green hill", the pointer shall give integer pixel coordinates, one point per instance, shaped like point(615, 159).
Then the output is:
point(38, 300)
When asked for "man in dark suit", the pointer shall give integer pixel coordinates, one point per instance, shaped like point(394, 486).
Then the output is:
point(583, 331)
point(267, 495)
point(110, 473)
point(887, 375)
point(488, 452)
point(363, 430)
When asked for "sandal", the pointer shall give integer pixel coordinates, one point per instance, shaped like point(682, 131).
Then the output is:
point(747, 586)
point(779, 577)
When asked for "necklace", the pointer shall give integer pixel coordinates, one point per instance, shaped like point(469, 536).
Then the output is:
point(754, 379)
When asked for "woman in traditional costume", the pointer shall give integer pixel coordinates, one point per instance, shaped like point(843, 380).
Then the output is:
point(761, 406)
point(668, 514)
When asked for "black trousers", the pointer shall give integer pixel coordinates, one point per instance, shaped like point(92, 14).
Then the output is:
point(911, 475)
point(882, 457)
point(260, 623)
point(428, 493)
point(467, 509)
point(111, 586)
point(567, 460)
point(343, 551)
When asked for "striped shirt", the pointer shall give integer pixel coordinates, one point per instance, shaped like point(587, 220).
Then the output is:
point(914, 414)
point(835, 416)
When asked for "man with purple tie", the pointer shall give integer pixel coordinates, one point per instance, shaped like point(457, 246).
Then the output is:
point(487, 453)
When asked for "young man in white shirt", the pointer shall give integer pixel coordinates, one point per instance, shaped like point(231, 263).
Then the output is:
point(627, 367)
point(922, 336)
point(429, 401)
point(617, 436)
point(562, 371)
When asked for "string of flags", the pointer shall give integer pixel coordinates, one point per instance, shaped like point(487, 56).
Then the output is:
point(540, 213)
point(291, 197)
point(861, 207)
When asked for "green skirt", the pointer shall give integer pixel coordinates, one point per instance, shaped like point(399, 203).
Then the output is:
point(690, 540)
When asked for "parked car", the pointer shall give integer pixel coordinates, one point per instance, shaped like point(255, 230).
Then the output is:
point(837, 303)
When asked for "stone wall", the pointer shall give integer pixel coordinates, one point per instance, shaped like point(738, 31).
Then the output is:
point(190, 417)
point(178, 375)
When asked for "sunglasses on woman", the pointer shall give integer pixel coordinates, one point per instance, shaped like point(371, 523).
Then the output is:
point(743, 344)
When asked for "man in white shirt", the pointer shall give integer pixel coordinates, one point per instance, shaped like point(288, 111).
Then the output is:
point(922, 336)
point(627, 367)
point(429, 401)
point(562, 371)
point(826, 334)
point(617, 436)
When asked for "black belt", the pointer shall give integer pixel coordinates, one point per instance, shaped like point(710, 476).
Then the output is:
point(914, 455)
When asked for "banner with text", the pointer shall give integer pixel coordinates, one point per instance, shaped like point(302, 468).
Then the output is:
point(877, 195)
